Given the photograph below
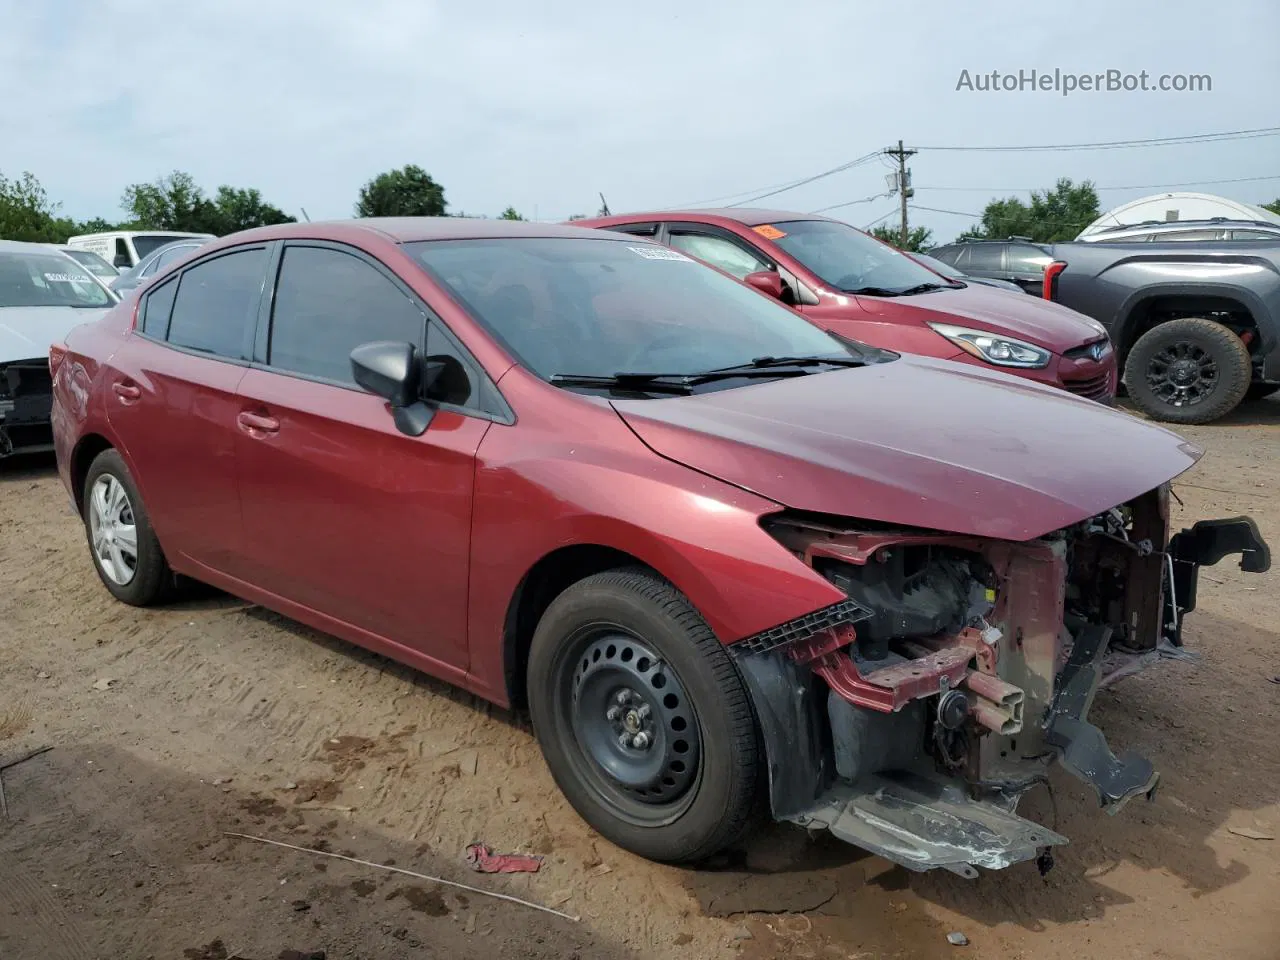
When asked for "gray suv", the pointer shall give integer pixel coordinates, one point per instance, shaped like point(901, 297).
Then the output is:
point(1016, 260)
point(154, 262)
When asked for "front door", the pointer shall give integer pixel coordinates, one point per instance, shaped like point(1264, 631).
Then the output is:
point(344, 514)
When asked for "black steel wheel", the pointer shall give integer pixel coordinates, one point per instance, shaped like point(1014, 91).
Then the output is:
point(643, 717)
point(1189, 370)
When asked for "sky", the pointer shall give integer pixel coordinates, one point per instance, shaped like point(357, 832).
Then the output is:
point(659, 103)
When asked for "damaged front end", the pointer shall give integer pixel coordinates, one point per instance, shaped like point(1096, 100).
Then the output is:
point(26, 401)
point(912, 717)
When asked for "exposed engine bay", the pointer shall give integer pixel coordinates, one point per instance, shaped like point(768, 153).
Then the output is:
point(911, 719)
point(26, 399)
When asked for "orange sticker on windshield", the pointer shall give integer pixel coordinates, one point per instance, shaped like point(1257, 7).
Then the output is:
point(769, 231)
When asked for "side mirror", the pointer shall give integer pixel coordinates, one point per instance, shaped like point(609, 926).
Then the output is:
point(121, 262)
point(391, 370)
point(766, 281)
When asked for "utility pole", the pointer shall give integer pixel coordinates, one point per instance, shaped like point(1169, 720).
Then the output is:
point(905, 192)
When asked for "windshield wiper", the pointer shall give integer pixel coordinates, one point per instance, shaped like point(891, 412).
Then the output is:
point(875, 292)
point(646, 382)
point(679, 383)
point(926, 287)
point(766, 363)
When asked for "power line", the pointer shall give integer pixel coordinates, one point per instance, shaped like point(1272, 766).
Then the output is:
point(978, 216)
point(1123, 144)
point(779, 187)
point(880, 219)
point(1130, 186)
point(850, 203)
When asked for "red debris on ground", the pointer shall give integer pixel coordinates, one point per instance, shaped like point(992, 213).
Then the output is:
point(484, 860)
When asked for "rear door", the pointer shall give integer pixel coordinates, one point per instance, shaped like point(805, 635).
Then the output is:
point(171, 399)
point(345, 515)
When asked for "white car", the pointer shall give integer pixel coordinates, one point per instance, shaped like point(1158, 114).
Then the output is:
point(43, 294)
point(124, 248)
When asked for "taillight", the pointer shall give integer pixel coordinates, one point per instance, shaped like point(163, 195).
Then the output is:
point(57, 353)
point(1051, 274)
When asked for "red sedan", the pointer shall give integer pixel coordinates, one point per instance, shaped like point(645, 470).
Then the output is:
point(851, 283)
point(713, 548)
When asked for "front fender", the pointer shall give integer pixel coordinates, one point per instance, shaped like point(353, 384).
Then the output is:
point(701, 534)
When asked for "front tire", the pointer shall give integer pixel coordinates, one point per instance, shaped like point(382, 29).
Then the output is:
point(1190, 370)
point(643, 717)
point(124, 548)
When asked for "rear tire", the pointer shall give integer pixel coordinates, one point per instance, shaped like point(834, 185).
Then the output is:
point(1190, 370)
point(622, 654)
point(124, 548)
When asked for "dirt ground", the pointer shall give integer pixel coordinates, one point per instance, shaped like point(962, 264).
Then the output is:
point(173, 725)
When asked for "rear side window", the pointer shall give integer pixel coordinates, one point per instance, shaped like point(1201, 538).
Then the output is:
point(327, 303)
point(216, 302)
point(985, 256)
point(153, 318)
point(1024, 258)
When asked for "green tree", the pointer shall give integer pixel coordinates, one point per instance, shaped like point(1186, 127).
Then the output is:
point(26, 213)
point(97, 225)
point(1273, 206)
point(510, 214)
point(1052, 216)
point(176, 202)
point(407, 192)
point(919, 239)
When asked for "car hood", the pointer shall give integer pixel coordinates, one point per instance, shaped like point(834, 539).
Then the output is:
point(918, 442)
point(27, 333)
point(1040, 321)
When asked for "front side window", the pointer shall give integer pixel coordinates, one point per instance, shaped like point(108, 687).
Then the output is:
point(327, 303)
point(595, 307)
point(719, 252)
point(848, 259)
point(48, 280)
point(216, 301)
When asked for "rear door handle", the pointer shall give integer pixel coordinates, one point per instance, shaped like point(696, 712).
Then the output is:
point(256, 423)
point(127, 392)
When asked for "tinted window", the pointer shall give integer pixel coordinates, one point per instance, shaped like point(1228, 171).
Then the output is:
point(150, 244)
point(216, 301)
point(636, 229)
point(719, 252)
point(985, 257)
point(1024, 258)
point(458, 385)
point(949, 254)
point(598, 307)
point(153, 318)
point(846, 258)
point(327, 304)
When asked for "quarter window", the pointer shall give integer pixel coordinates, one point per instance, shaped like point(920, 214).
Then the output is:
point(216, 302)
point(156, 309)
point(327, 303)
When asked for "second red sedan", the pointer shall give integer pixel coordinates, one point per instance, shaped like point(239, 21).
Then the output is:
point(852, 284)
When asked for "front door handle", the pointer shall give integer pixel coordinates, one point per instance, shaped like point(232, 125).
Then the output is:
point(127, 392)
point(256, 424)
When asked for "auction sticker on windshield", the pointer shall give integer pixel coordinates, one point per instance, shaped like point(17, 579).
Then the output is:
point(659, 253)
point(769, 231)
point(65, 278)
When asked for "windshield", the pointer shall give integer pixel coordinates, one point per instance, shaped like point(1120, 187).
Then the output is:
point(148, 244)
point(47, 280)
point(94, 263)
point(848, 259)
point(937, 266)
point(600, 307)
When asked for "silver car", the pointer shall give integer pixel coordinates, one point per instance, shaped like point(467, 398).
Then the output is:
point(154, 262)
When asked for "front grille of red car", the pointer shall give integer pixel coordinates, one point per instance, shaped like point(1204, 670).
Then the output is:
point(1095, 388)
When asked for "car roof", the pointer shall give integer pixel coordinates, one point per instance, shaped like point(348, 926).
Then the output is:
point(1160, 225)
point(747, 216)
point(411, 229)
point(21, 246)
